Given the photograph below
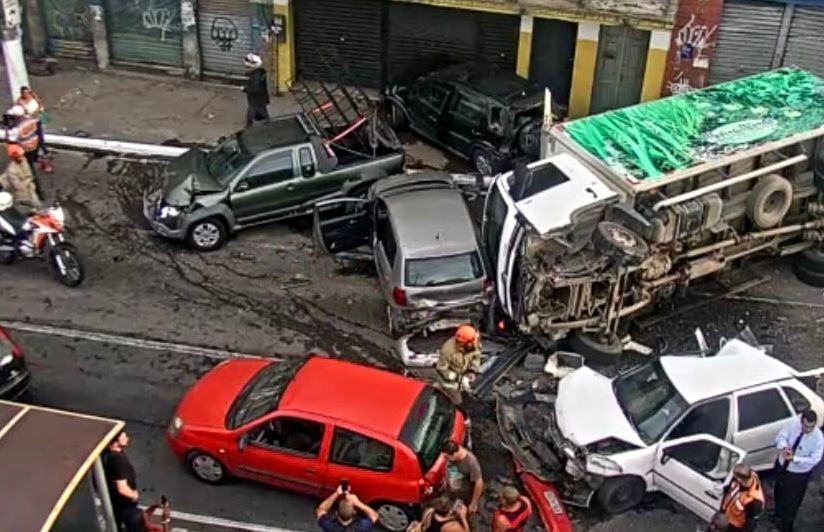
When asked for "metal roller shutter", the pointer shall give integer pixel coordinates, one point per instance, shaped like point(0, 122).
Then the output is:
point(145, 31)
point(67, 28)
point(227, 32)
point(804, 40)
point(746, 41)
point(424, 38)
point(339, 40)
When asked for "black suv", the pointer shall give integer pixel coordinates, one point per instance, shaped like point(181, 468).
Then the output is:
point(486, 115)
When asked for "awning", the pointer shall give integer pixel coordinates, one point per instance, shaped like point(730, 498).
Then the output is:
point(45, 455)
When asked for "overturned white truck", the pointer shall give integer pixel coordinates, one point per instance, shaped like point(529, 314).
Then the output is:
point(633, 203)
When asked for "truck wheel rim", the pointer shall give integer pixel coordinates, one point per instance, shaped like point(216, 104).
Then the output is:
point(206, 235)
point(207, 468)
point(393, 517)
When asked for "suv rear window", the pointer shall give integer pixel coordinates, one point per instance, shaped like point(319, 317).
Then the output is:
point(428, 426)
point(439, 271)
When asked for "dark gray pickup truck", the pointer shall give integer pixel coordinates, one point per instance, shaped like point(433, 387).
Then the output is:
point(267, 172)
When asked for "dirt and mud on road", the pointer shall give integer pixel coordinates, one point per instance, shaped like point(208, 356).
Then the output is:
point(269, 292)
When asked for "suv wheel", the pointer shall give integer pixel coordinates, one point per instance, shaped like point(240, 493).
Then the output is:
point(619, 494)
point(207, 235)
point(482, 162)
point(393, 517)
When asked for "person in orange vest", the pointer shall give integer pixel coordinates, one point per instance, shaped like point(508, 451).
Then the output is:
point(33, 106)
point(743, 500)
point(21, 129)
point(513, 511)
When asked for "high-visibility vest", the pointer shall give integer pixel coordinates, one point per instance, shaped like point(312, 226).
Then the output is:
point(27, 134)
point(738, 497)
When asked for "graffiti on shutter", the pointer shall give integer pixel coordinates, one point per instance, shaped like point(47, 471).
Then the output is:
point(68, 28)
point(146, 31)
point(228, 31)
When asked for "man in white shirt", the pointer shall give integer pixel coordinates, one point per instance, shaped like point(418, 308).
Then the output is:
point(800, 447)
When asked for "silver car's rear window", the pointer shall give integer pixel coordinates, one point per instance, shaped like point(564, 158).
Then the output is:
point(441, 271)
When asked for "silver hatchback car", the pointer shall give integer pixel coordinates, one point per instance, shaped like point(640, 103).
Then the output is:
point(418, 230)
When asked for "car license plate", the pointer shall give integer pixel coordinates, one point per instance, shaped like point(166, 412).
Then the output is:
point(553, 501)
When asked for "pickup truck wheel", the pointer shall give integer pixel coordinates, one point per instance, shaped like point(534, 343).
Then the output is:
point(619, 494)
point(596, 350)
point(622, 244)
point(393, 517)
point(482, 162)
point(769, 201)
point(207, 235)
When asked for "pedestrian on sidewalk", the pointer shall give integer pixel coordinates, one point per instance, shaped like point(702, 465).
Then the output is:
point(743, 501)
point(464, 476)
point(800, 447)
point(351, 514)
point(18, 178)
point(34, 107)
point(122, 484)
point(256, 89)
point(21, 129)
point(442, 516)
point(513, 511)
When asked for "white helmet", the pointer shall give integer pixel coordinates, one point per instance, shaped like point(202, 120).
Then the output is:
point(6, 200)
point(253, 61)
point(17, 110)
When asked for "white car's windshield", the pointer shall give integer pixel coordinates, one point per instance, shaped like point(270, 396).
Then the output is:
point(649, 400)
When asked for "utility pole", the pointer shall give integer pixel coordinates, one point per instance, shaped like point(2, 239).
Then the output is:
point(13, 48)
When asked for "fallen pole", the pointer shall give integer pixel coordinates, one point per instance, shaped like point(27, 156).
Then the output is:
point(111, 147)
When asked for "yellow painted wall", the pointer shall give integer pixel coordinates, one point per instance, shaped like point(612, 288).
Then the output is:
point(656, 65)
point(583, 70)
point(285, 51)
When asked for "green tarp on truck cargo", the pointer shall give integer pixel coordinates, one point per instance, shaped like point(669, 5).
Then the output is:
point(645, 142)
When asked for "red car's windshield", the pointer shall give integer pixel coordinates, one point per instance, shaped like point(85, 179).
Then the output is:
point(262, 394)
point(428, 426)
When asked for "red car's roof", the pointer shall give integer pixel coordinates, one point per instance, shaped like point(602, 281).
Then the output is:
point(373, 399)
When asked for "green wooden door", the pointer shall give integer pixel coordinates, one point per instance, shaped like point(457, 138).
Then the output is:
point(145, 31)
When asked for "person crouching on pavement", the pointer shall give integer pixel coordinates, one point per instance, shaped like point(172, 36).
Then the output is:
point(459, 357)
point(513, 511)
point(464, 477)
point(348, 514)
point(743, 500)
point(442, 516)
point(256, 89)
point(19, 180)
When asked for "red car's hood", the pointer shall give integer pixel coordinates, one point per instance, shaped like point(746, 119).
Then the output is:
point(206, 403)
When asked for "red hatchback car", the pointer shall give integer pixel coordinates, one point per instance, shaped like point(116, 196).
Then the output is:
point(306, 425)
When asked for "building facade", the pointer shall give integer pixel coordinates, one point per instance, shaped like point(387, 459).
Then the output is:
point(594, 55)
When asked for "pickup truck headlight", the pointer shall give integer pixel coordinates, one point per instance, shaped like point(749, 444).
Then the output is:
point(169, 211)
point(600, 464)
point(175, 426)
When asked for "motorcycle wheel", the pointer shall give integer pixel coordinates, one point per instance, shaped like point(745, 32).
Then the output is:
point(71, 274)
point(7, 257)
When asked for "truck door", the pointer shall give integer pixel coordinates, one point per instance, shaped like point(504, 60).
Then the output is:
point(268, 186)
point(693, 471)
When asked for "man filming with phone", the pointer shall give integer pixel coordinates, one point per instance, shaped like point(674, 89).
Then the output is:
point(351, 514)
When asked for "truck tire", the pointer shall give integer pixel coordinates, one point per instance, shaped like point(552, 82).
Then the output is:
point(619, 494)
point(624, 245)
point(809, 277)
point(596, 351)
point(769, 201)
point(483, 163)
point(811, 259)
point(818, 179)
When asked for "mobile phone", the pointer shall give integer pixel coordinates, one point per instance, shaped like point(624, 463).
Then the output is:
point(344, 485)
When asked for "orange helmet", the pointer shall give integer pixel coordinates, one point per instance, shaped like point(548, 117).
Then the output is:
point(15, 151)
point(467, 334)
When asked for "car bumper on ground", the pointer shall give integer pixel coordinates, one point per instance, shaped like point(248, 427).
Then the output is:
point(172, 228)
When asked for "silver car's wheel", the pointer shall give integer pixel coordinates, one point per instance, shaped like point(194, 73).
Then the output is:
point(393, 517)
point(207, 235)
point(206, 468)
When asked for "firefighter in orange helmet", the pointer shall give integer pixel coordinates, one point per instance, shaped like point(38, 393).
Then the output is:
point(18, 178)
point(459, 358)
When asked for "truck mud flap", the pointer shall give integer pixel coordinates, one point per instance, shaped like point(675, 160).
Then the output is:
point(546, 500)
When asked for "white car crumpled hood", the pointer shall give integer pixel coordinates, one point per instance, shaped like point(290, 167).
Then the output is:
point(587, 411)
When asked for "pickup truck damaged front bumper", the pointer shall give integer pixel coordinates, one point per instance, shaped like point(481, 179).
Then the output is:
point(530, 433)
point(171, 227)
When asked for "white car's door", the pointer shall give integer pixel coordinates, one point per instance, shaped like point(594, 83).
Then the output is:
point(760, 413)
point(693, 471)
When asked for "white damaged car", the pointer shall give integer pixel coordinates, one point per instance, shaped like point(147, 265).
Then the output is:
point(678, 425)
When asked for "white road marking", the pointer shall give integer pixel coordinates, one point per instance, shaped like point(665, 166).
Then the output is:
point(226, 523)
point(128, 341)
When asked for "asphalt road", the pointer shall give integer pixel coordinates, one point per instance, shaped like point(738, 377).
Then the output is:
point(268, 293)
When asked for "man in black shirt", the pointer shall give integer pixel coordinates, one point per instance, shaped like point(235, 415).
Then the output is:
point(256, 89)
point(122, 485)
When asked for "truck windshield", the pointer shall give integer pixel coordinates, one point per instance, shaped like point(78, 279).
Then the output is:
point(649, 400)
point(226, 159)
point(440, 271)
point(262, 394)
point(429, 425)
